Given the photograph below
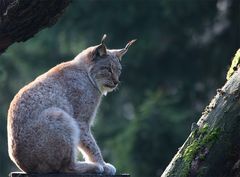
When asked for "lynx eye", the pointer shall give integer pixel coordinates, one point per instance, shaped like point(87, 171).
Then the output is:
point(107, 68)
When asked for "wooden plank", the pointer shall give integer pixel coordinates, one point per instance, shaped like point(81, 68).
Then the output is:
point(21, 174)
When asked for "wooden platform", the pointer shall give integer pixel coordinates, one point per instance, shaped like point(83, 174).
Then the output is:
point(20, 174)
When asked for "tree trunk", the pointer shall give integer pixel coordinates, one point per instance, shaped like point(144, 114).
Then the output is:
point(21, 19)
point(213, 147)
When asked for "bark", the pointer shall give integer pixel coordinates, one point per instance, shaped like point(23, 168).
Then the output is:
point(22, 19)
point(213, 147)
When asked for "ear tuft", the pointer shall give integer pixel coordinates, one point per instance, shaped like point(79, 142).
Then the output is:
point(130, 43)
point(120, 52)
point(103, 39)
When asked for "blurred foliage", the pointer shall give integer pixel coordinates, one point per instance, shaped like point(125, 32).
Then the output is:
point(183, 51)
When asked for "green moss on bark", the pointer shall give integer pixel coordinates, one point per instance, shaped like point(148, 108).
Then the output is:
point(200, 140)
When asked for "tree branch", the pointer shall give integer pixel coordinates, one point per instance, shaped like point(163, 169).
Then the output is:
point(22, 19)
point(213, 147)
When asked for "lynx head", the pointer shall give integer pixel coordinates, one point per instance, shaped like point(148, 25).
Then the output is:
point(104, 67)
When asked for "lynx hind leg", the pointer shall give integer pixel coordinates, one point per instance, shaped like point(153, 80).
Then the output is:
point(51, 143)
point(56, 143)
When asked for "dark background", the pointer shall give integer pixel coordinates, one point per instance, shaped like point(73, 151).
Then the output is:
point(183, 52)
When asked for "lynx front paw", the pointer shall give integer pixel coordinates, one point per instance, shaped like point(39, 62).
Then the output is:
point(86, 167)
point(109, 169)
point(98, 168)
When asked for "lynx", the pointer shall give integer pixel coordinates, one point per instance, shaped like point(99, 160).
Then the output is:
point(50, 119)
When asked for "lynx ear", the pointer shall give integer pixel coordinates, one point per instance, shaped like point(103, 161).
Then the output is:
point(121, 52)
point(101, 49)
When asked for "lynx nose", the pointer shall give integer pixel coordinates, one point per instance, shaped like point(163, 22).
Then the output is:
point(115, 81)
